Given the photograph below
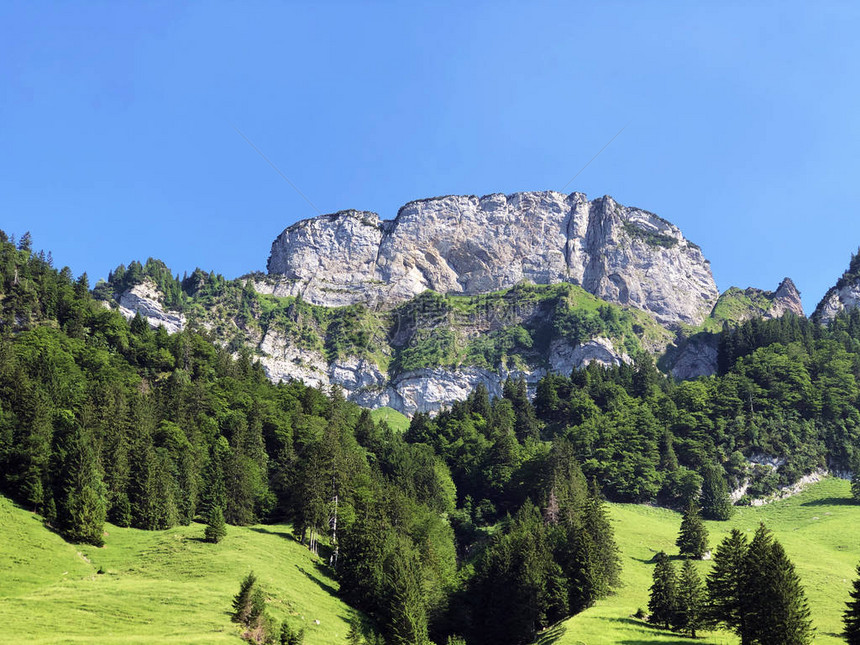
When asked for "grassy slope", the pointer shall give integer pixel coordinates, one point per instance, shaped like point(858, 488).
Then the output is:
point(817, 529)
point(397, 421)
point(169, 587)
point(158, 587)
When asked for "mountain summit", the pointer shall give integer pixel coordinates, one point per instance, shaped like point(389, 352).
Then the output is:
point(471, 245)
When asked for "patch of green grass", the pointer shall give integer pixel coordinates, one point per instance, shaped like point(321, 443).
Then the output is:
point(397, 421)
point(818, 529)
point(157, 586)
point(734, 306)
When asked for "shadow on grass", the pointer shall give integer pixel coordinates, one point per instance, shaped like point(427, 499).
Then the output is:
point(320, 583)
point(551, 635)
point(196, 538)
point(275, 531)
point(652, 560)
point(831, 501)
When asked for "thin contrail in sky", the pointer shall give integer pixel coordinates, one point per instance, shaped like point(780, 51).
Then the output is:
point(277, 170)
point(594, 157)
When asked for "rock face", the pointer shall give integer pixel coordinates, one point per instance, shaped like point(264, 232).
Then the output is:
point(697, 357)
point(786, 299)
point(422, 390)
point(471, 245)
point(838, 300)
point(844, 295)
point(145, 299)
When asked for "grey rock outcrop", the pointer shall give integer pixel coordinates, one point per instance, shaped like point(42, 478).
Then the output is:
point(145, 299)
point(838, 300)
point(844, 295)
point(471, 245)
point(786, 299)
point(697, 356)
point(421, 390)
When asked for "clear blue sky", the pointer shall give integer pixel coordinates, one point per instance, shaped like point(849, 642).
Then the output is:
point(117, 139)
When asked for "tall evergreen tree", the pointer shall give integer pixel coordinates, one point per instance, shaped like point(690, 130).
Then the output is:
point(773, 597)
point(243, 603)
point(693, 538)
point(663, 602)
point(595, 521)
point(725, 585)
point(215, 529)
point(691, 600)
point(776, 607)
point(851, 617)
point(715, 501)
point(78, 488)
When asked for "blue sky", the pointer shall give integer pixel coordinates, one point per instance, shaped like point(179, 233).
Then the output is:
point(118, 142)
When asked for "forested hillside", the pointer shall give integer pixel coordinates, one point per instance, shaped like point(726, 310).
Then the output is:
point(485, 522)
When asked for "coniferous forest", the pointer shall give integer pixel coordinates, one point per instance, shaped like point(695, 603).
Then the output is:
point(486, 522)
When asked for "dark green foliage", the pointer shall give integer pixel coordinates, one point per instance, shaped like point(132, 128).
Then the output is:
point(774, 600)
point(243, 602)
point(715, 501)
point(693, 536)
point(851, 617)
point(690, 615)
point(726, 584)
point(754, 590)
point(215, 529)
point(289, 636)
point(78, 488)
point(663, 601)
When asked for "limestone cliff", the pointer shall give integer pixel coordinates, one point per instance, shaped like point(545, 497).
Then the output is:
point(471, 245)
point(844, 295)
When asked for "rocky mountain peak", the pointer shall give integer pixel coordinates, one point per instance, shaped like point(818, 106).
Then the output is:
point(470, 245)
point(786, 299)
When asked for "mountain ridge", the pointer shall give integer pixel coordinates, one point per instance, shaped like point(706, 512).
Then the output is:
point(471, 245)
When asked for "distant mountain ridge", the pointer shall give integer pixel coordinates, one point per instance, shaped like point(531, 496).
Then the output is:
point(469, 245)
point(415, 312)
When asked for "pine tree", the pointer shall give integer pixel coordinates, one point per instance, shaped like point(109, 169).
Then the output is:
point(725, 584)
point(215, 529)
point(78, 487)
point(715, 501)
point(693, 537)
point(691, 599)
point(663, 603)
point(407, 611)
point(595, 521)
point(851, 617)
point(773, 596)
point(243, 601)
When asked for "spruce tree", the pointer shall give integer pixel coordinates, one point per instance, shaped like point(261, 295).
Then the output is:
point(78, 488)
point(691, 600)
point(715, 501)
point(693, 537)
point(595, 521)
point(663, 603)
point(725, 584)
point(243, 601)
point(215, 529)
point(775, 601)
point(851, 617)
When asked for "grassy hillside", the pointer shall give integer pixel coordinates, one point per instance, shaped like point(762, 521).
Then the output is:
point(396, 420)
point(170, 587)
point(817, 529)
point(157, 586)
